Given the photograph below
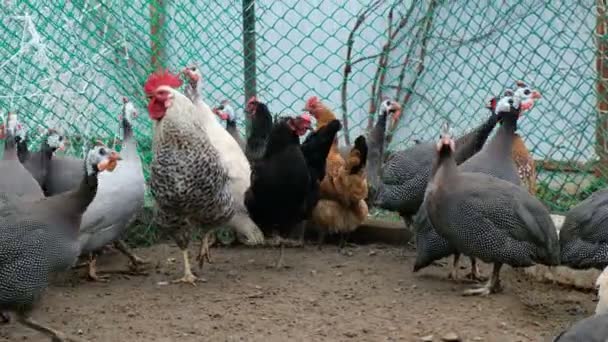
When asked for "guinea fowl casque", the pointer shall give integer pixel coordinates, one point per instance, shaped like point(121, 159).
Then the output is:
point(37, 163)
point(227, 113)
point(188, 180)
point(343, 190)
point(15, 179)
point(261, 125)
point(494, 159)
point(487, 217)
point(40, 238)
point(406, 173)
point(231, 157)
point(120, 193)
point(287, 177)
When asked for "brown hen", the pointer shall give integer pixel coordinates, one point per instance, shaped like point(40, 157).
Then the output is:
point(342, 206)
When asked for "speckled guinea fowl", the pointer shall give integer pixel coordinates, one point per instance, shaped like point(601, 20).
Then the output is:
point(488, 218)
point(584, 235)
point(494, 159)
point(14, 177)
point(590, 329)
point(41, 237)
point(376, 144)
point(37, 163)
point(405, 174)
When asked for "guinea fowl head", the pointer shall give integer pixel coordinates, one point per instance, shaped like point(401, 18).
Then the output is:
point(128, 110)
point(252, 105)
point(55, 140)
point(101, 158)
point(160, 90)
point(392, 108)
point(601, 285)
point(193, 75)
point(446, 143)
point(515, 102)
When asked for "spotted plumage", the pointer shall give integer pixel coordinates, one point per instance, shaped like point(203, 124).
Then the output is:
point(584, 235)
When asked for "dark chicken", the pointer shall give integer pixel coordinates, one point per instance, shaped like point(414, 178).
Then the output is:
point(261, 125)
point(287, 176)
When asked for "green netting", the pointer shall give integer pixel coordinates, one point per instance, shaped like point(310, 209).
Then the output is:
point(66, 64)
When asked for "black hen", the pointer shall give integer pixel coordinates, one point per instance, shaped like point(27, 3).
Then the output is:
point(285, 181)
point(261, 126)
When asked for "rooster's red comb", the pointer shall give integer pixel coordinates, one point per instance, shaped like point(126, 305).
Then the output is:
point(306, 117)
point(312, 102)
point(252, 100)
point(161, 78)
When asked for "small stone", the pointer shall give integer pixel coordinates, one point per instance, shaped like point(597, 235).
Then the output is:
point(258, 287)
point(80, 332)
point(503, 324)
point(428, 338)
point(372, 253)
point(477, 338)
point(338, 274)
point(451, 337)
point(350, 334)
point(313, 272)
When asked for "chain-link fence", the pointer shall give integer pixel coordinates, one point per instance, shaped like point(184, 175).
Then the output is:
point(66, 64)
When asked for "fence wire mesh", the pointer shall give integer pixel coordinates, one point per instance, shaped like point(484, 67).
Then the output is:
point(66, 64)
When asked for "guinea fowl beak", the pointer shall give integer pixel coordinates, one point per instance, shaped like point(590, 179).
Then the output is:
point(536, 95)
point(110, 163)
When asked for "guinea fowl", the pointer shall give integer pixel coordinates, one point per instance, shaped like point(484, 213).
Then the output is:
point(15, 179)
point(40, 238)
point(189, 182)
point(261, 125)
point(584, 234)
point(494, 159)
point(487, 217)
point(120, 193)
point(226, 113)
point(376, 144)
point(288, 175)
point(231, 157)
point(37, 163)
point(405, 174)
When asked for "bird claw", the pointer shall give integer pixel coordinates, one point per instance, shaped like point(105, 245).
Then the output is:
point(187, 279)
point(483, 291)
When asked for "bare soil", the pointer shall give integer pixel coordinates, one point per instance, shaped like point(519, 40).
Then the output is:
point(367, 294)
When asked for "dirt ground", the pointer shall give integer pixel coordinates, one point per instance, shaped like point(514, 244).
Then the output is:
point(368, 294)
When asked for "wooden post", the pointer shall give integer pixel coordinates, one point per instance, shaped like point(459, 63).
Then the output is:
point(157, 34)
point(249, 52)
point(601, 64)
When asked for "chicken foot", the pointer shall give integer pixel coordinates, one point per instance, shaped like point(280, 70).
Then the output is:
point(189, 277)
point(279, 264)
point(473, 275)
point(204, 252)
point(56, 336)
point(135, 261)
point(492, 286)
point(92, 273)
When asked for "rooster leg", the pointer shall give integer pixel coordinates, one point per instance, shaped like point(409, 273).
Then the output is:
point(474, 274)
point(56, 336)
point(454, 271)
point(493, 285)
point(188, 277)
point(92, 275)
point(135, 260)
point(204, 253)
